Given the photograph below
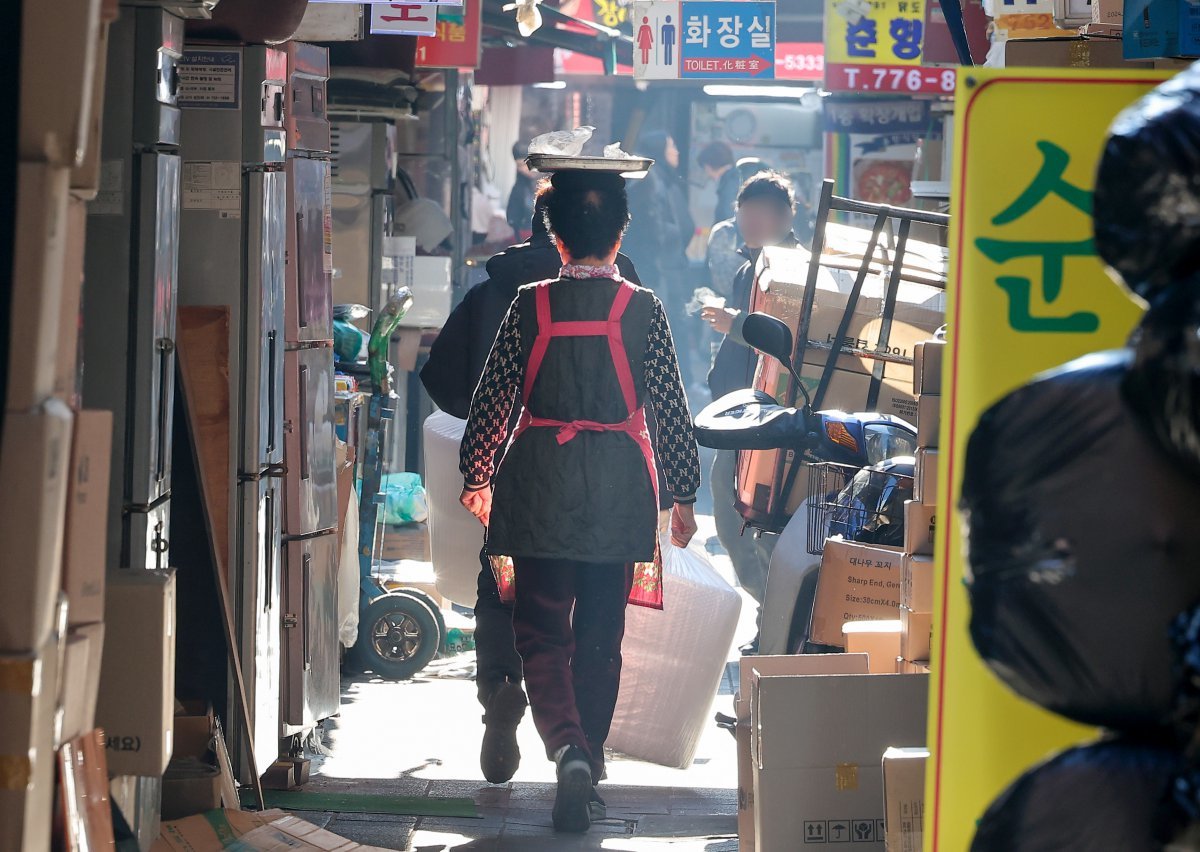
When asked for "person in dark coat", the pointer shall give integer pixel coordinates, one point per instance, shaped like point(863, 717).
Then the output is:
point(572, 510)
point(456, 361)
point(765, 207)
point(716, 159)
point(521, 198)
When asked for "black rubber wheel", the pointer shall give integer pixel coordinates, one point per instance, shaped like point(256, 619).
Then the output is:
point(424, 598)
point(398, 636)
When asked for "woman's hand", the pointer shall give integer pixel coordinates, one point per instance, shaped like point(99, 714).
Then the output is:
point(478, 503)
point(721, 319)
point(683, 524)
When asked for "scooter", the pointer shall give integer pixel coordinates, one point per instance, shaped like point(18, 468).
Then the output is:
point(753, 420)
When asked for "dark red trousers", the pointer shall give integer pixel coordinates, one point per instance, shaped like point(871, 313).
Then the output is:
point(572, 665)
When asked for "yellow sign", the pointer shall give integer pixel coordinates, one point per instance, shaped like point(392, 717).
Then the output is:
point(874, 32)
point(1026, 293)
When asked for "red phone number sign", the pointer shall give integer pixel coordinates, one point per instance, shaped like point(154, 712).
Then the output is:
point(799, 60)
point(910, 79)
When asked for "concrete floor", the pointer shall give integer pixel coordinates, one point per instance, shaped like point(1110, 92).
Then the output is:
point(421, 738)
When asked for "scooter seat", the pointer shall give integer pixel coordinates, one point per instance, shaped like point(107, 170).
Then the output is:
point(750, 420)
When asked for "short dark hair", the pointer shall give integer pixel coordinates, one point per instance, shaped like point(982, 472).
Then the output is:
point(768, 186)
point(714, 155)
point(520, 151)
point(589, 212)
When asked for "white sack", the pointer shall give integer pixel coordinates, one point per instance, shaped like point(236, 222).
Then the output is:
point(455, 536)
point(349, 576)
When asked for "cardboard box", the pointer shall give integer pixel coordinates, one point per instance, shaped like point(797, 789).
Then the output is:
point(821, 781)
point(927, 366)
point(266, 831)
point(920, 529)
point(35, 461)
point(904, 798)
point(195, 727)
point(925, 484)
point(1109, 13)
point(1076, 52)
point(85, 177)
point(848, 391)
point(28, 695)
point(904, 666)
point(80, 687)
point(916, 635)
point(87, 517)
point(67, 372)
point(190, 786)
point(56, 97)
point(879, 640)
point(857, 582)
point(137, 679)
point(84, 806)
point(1160, 28)
point(37, 294)
point(929, 419)
point(916, 583)
point(799, 664)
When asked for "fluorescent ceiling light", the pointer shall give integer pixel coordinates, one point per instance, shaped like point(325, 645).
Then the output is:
point(721, 90)
point(557, 84)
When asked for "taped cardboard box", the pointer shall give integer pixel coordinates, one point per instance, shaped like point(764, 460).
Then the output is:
point(920, 528)
point(80, 687)
point(904, 798)
point(858, 582)
point(927, 366)
point(916, 635)
point(56, 97)
point(35, 461)
point(37, 293)
point(137, 679)
point(67, 371)
point(85, 812)
point(799, 664)
point(87, 517)
point(879, 640)
point(190, 786)
point(916, 583)
point(925, 483)
point(820, 781)
point(1077, 52)
point(929, 419)
point(28, 699)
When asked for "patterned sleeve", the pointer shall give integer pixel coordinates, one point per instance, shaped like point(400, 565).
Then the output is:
point(675, 441)
point(492, 404)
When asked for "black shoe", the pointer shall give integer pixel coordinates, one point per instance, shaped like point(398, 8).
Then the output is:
point(597, 808)
point(500, 756)
point(572, 813)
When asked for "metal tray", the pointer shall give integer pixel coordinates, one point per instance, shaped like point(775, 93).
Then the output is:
point(633, 168)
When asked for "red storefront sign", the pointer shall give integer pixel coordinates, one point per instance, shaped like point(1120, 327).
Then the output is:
point(457, 42)
point(799, 60)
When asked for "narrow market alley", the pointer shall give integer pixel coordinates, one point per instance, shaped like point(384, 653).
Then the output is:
point(419, 739)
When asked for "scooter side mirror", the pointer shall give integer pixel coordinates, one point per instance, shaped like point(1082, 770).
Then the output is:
point(771, 336)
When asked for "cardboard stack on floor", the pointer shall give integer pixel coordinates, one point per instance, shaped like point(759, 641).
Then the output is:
point(920, 514)
point(54, 457)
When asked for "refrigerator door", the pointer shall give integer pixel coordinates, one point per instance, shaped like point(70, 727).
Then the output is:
point(310, 500)
point(145, 538)
point(309, 297)
point(258, 583)
point(262, 388)
point(311, 650)
point(305, 113)
point(152, 363)
point(156, 71)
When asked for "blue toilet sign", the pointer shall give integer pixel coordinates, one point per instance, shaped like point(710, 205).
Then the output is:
point(704, 39)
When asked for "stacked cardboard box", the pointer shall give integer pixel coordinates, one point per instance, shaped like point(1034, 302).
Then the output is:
point(904, 798)
point(857, 582)
point(920, 515)
point(53, 457)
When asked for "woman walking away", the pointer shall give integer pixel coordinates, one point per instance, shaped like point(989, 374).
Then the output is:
point(572, 510)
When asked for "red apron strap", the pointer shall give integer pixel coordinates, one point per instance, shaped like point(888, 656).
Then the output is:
point(616, 346)
point(541, 295)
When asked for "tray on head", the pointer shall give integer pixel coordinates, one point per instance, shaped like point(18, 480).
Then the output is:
point(631, 167)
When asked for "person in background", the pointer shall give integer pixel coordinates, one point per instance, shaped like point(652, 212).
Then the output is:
point(723, 254)
point(520, 200)
point(456, 361)
point(716, 159)
point(571, 511)
point(765, 206)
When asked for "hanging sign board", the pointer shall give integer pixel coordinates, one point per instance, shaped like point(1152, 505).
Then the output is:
point(878, 46)
point(457, 41)
point(404, 19)
point(799, 60)
point(704, 40)
point(388, 2)
point(1026, 293)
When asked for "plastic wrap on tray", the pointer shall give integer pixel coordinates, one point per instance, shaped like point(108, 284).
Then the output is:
point(1147, 198)
point(1083, 550)
point(1111, 795)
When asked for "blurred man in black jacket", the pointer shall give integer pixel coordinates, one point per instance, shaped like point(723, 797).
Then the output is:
point(456, 361)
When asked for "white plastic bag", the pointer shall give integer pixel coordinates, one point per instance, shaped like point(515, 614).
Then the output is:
point(674, 660)
point(349, 574)
point(455, 536)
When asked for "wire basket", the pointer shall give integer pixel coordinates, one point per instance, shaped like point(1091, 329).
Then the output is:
point(832, 512)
